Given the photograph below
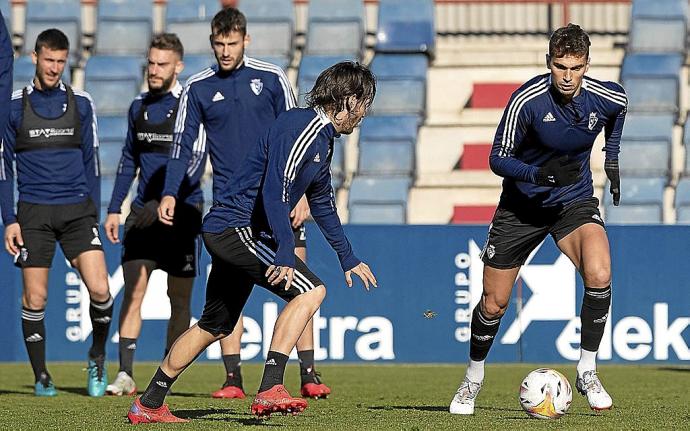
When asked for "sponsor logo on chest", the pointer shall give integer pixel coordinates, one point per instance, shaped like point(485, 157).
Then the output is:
point(49, 133)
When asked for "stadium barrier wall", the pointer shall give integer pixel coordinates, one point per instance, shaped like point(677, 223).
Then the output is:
point(429, 280)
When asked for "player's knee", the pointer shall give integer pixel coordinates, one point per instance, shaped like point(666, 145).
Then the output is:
point(316, 295)
point(597, 276)
point(493, 308)
point(34, 301)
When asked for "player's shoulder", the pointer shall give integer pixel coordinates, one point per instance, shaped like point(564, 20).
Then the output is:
point(83, 98)
point(266, 70)
point(298, 121)
point(531, 90)
point(199, 79)
point(608, 91)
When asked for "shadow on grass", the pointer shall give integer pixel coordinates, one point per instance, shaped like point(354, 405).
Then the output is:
point(73, 390)
point(29, 391)
point(229, 416)
point(420, 408)
point(189, 394)
point(677, 369)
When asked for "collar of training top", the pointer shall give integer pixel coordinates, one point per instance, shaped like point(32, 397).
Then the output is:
point(30, 88)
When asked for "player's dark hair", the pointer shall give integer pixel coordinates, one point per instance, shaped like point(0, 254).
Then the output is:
point(337, 83)
point(569, 40)
point(168, 42)
point(52, 39)
point(227, 21)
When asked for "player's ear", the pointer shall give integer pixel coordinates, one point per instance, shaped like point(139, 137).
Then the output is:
point(587, 65)
point(548, 61)
point(179, 67)
point(247, 40)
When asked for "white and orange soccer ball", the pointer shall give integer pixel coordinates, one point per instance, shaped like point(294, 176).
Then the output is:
point(545, 394)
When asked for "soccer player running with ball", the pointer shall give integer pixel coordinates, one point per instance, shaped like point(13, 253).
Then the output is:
point(542, 150)
point(147, 243)
point(249, 236)
point(52, 137)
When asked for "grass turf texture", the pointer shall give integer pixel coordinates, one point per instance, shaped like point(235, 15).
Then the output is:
point(365, 397)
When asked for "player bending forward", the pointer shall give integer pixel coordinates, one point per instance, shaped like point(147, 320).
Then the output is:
point(542, 149)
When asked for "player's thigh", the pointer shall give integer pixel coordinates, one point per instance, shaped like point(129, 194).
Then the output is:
point(182, 243)
point(588, 248)
point(136, 274)
point(497, 288)
point(77, 230)
point(38, 234)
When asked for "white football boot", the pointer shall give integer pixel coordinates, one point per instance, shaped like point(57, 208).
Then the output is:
point(463, 401)
point(590, 386)
point(123, 385)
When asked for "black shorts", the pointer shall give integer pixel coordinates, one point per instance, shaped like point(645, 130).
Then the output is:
point(239, 261)
point(300, 236)
point(175, 249)
point(514, 232)
point(74, 226)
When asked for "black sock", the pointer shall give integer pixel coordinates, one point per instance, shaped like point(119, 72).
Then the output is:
point(306, 366)
point(101, 316)
point(34, 330)
point(274, 369)
point(127, 348)
point(233, 370)
point(483, 332)
point(593, 315)
point(158, 388)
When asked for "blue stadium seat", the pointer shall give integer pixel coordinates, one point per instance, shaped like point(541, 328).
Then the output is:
point(686, 170)
point(406, 26)
point(400, 97)
point(194, 64)
point(378, 200)
point(109, 153)
point(664, 9)
point(387, 145)
point(64, 15)
point(338, 162)
point(190, 20)
point(310, 68)
point(658, 26)
point(649, 126)
point(124, 27)
point(113, 82)
point(270, 24)
point(645, 158)
point(207, 189)
point(634, 214)
point(336, 27)
point(25, 70)
point(107, 184)
point(639, 191)
point(651, 81)
point(683, 201)
point(7, 14)
point(400, 66)
point(280, 61)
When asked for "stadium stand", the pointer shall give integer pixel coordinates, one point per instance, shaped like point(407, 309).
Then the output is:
point(387, 145)
point(7, 14)
point(645, 158)
point(310, 68)
point(335, 27)
point(338, 162)
point(112, 131)
point(406, 26)
point(190, 19)
point(651, 82)
point(470, 214)
point(123, 26)
point(271, 26)
point(64, 15)
point(377, 200)
point(641, 201)
point(25, 70)
point(113, 82)
point(683, 201)
point(194, 64)
point(659, 26)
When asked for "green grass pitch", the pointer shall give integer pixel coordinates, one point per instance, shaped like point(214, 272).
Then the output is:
point(365, 397)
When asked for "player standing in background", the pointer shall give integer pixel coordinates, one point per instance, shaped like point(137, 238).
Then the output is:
point(249, 235)
point(52, 135)
point(235, 102)
point(147, 243)
point(542, 150)
point(6, 62)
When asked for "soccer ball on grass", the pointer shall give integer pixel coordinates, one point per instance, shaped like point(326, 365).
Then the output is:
point(545, 394)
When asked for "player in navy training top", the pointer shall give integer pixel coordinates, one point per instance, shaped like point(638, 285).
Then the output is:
point(235, 102)
point(53, 139)
point(148, 244)
point(542, 150)
point(249, 236)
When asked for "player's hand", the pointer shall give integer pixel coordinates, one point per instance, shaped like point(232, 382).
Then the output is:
point(364, 272)
point(166, 210)
point(112, 227)
point(148, 215)
point(276, 274)
point(300, 213)
point(13, 238)
point(613, 173)
point(559, 172)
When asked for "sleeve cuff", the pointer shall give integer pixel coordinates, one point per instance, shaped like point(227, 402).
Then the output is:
point(349, 263)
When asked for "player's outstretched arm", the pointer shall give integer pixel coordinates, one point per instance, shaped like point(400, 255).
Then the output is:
point(613, 173)
point(13, 238)
point(364, 272)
